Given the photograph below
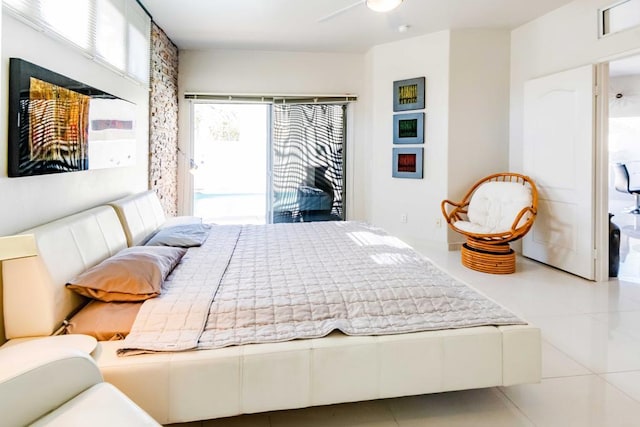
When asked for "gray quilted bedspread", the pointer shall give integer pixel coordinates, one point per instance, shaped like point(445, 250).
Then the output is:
point(280, 282)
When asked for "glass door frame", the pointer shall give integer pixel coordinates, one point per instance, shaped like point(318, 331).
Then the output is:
point(186, 157)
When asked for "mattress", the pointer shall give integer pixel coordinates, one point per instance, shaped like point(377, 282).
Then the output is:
point(279, 282)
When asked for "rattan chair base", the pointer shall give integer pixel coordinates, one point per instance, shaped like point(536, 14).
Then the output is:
point(494, 259)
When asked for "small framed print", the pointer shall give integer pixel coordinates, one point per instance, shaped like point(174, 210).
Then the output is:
point(407, 163)
point(408, 94)
point(408, 128)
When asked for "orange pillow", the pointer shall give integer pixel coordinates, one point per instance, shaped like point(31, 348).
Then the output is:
point(133, 274)
point(104, 320)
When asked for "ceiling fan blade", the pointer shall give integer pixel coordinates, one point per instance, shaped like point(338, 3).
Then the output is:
point(339, 11)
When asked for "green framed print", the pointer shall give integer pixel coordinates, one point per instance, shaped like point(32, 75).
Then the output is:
point(408, 128)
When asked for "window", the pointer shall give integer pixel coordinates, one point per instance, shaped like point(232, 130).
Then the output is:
point(620, 16)
point(139, 30)
point(71, 22)
point(117, 32)
point(111, 33)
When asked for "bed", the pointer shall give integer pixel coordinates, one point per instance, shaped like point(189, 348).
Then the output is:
point(197, 384)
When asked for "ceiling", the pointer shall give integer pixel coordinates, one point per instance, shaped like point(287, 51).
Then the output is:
point(292, 25)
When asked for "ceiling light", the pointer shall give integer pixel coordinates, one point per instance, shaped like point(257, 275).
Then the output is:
point(382, 5)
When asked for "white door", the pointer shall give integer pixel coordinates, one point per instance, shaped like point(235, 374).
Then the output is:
point(559, 156)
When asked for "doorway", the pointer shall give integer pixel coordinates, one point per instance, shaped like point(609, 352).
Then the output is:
point(624, 166)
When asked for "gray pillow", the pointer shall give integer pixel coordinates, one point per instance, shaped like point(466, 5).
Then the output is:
point(182, 236)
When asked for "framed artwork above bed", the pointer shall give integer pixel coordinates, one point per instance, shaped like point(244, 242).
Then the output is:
point(57, 124)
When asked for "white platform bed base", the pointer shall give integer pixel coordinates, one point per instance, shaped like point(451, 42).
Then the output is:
point(205, 384)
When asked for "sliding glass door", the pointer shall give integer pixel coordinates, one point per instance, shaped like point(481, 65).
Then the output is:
point(308, 162)
point(230, 147)
point(263, 162)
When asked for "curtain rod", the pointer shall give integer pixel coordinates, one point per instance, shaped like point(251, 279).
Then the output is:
point(271, 99)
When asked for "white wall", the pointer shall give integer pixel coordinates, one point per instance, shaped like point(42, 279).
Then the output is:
point(466, 126)
point(478, 109)
point(263, 72)
point(563, 39)
point(29, 201)
point(479, 106)
point(389, 198)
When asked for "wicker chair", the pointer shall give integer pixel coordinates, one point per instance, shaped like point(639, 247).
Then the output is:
point(497, 210)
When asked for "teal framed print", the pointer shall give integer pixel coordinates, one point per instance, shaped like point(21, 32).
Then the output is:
point(408, 128)
point(407, 162)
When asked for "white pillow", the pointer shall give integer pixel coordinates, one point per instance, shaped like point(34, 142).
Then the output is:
point(495, 205)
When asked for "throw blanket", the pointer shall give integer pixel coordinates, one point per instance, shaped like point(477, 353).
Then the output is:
point(281, 282)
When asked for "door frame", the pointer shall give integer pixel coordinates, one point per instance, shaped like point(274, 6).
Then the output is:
point(601, 179)
point(186, 151)
point(601, 168)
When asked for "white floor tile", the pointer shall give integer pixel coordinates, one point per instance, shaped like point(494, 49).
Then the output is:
point(472, 408)
point(537, 290)
point(627, 382)
point(626, 323)
point(555, 363)
point(359, 414)
point(627, 290)
point(590, 342)
point(584, 401)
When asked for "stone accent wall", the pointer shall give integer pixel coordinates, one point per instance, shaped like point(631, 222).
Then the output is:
point(163, 120)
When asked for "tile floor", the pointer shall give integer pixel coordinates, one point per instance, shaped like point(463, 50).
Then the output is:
point(590, 350)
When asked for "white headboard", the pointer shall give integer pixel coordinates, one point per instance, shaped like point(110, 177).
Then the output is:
point(141, 215)
point(36, 300)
